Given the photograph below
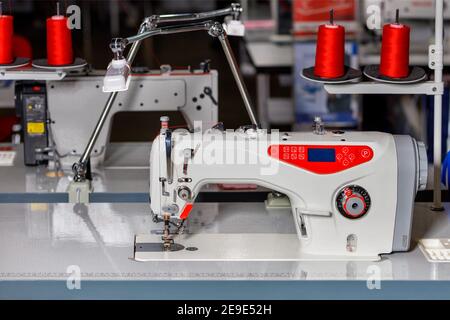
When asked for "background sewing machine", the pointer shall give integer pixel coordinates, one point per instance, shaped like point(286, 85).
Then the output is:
point(54, 113)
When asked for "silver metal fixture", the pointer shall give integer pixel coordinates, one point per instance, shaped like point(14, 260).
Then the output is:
point(318, 126)
point(161, 25)
point(184, 193)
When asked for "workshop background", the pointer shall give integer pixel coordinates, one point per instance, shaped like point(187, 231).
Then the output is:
point(275, 35)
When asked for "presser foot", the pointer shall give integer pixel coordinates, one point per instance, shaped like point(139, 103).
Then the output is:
point(168, 237)
point(153, 247)
point(167, 244)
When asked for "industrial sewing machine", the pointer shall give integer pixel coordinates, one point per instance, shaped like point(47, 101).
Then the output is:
point(351, 193)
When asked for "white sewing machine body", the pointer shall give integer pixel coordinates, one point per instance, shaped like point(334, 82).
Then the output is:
point(351, 193)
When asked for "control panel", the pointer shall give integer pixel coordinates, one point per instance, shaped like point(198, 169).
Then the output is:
point(322, 159)
point(31, 105)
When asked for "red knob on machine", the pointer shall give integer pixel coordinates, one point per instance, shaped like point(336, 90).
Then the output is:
point(353, 202)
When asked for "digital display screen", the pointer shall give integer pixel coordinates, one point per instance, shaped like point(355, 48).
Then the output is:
point(321, 155)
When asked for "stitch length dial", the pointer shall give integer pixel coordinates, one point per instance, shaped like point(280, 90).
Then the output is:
point(353, 202)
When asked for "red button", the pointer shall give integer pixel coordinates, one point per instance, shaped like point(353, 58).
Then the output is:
point(365, 153)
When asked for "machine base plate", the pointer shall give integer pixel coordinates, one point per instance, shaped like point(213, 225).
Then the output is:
point(232, 247)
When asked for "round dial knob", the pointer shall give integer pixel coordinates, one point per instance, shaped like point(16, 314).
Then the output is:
point(184, 193)
point(353, 202)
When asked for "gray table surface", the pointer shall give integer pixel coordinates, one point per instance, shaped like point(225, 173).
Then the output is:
point(126, 169)
point(41, 242)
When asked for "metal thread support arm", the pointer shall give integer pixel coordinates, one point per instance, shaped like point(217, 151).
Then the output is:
point(150, 28)
point(223, 38)
point(80, 168)
point(216, 30)
point(168, 30)
point(234, 10)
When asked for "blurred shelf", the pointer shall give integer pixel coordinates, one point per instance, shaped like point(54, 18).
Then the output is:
point(31, 74)
point(372, 87)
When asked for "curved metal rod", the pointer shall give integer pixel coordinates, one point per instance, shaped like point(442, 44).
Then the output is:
point(169, 30)
point(148, 29)
point(235, 9)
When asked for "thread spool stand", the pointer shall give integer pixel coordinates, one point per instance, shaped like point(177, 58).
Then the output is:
point(78, 63)
point(351, 75)
point(41, 70)
point(17, 63)
point(416, 74)
point(435, 88)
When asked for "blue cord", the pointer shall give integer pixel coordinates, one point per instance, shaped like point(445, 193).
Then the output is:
point(445, 177)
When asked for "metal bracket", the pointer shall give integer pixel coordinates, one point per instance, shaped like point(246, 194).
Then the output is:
point(31, 74)
point(79, 191)
point(435, 57)
point(430, 88)
point(117, 46)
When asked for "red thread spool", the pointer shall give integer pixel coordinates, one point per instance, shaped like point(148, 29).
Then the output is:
point(6, 39)
point(59, 42)
point(330, 51)
point(395, 51)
